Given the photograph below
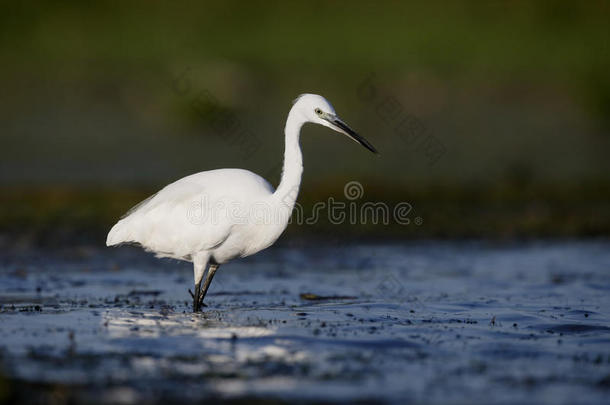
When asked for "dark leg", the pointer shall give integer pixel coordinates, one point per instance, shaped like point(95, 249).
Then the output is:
point(196, 305)
point(200, 262)
point(208, 280)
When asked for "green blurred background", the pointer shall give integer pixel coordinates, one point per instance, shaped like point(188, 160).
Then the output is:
point(493, 118)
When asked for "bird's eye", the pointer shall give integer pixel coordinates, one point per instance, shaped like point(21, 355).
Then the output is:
point(318, 111)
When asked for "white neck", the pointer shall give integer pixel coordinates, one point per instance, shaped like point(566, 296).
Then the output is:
point(288, 189)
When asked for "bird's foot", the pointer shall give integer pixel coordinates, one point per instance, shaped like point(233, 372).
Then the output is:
point(197, 300)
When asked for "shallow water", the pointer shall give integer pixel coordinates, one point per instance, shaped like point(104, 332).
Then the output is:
point(420, 322)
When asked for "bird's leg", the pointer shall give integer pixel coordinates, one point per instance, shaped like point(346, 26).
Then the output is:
point(208, 281)
point(196, 305)
point(199, 265)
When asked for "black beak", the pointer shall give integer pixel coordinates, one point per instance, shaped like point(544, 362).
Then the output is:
point(345, 129)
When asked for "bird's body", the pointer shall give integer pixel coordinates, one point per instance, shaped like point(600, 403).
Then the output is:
point(189, 216)
point(215, 216)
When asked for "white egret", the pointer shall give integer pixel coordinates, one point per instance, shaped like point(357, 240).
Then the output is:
point(211, 217)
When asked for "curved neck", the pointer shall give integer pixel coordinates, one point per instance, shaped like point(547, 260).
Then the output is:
point(288, 189)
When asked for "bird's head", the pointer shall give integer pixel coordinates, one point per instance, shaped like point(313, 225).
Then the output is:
point(318, 110)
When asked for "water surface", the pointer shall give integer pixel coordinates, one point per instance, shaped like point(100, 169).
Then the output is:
point(412, 322)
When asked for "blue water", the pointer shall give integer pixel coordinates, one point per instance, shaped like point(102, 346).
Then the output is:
point(400, 322)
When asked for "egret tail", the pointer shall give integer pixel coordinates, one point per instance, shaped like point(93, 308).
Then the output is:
point(118, 234)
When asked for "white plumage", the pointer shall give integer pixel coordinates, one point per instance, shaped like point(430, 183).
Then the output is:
point(212, 217)
point(173, 223)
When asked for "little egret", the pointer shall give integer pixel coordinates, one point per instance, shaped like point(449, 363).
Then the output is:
point(212, 217)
